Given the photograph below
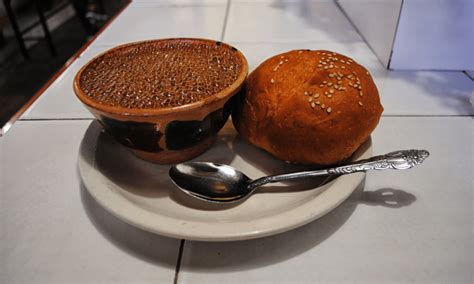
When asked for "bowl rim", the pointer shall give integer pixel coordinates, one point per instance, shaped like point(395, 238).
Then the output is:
point(226, 92)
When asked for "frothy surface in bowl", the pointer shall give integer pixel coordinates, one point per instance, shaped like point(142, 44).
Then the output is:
point(160, 74)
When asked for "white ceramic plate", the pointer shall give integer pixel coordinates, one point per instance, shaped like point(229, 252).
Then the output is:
point(141, 193)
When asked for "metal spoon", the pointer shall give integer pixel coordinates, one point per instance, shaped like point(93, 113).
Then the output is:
point(220, 183)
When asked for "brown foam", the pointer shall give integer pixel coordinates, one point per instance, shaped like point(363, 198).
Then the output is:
point(159, 74)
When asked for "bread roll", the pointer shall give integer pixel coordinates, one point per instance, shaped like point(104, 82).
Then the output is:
point(310, 107)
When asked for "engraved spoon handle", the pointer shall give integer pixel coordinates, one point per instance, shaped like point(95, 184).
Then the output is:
point(397, 160)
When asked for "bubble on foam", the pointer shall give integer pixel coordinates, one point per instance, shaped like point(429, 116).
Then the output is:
point(160, 74)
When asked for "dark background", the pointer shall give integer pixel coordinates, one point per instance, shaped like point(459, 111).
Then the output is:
point(72, 23)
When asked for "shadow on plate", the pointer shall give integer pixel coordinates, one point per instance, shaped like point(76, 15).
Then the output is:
point(143, 178)
point(265, 163)
point(137, 176)
point(119, 164)
point(270, 165)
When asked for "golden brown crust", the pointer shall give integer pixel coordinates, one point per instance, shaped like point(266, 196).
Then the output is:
point(307, 107)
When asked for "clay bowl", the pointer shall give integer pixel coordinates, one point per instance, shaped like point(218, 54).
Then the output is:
point(167, 134)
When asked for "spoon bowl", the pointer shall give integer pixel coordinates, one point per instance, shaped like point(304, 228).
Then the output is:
point(210, 181)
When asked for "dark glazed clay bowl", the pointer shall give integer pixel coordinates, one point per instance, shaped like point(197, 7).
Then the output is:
point(172, 134)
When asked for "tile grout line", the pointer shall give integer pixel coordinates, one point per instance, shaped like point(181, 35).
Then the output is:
point(178, 261)
point(226, 18)
point(175, 5)
point(468, 75)
point(357, 31)
point(395, 35)
point(297, 41)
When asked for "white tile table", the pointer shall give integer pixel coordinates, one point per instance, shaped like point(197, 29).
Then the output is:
point(399, 227)
point(282, 21)
point(402, 93)
point(156, 21)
